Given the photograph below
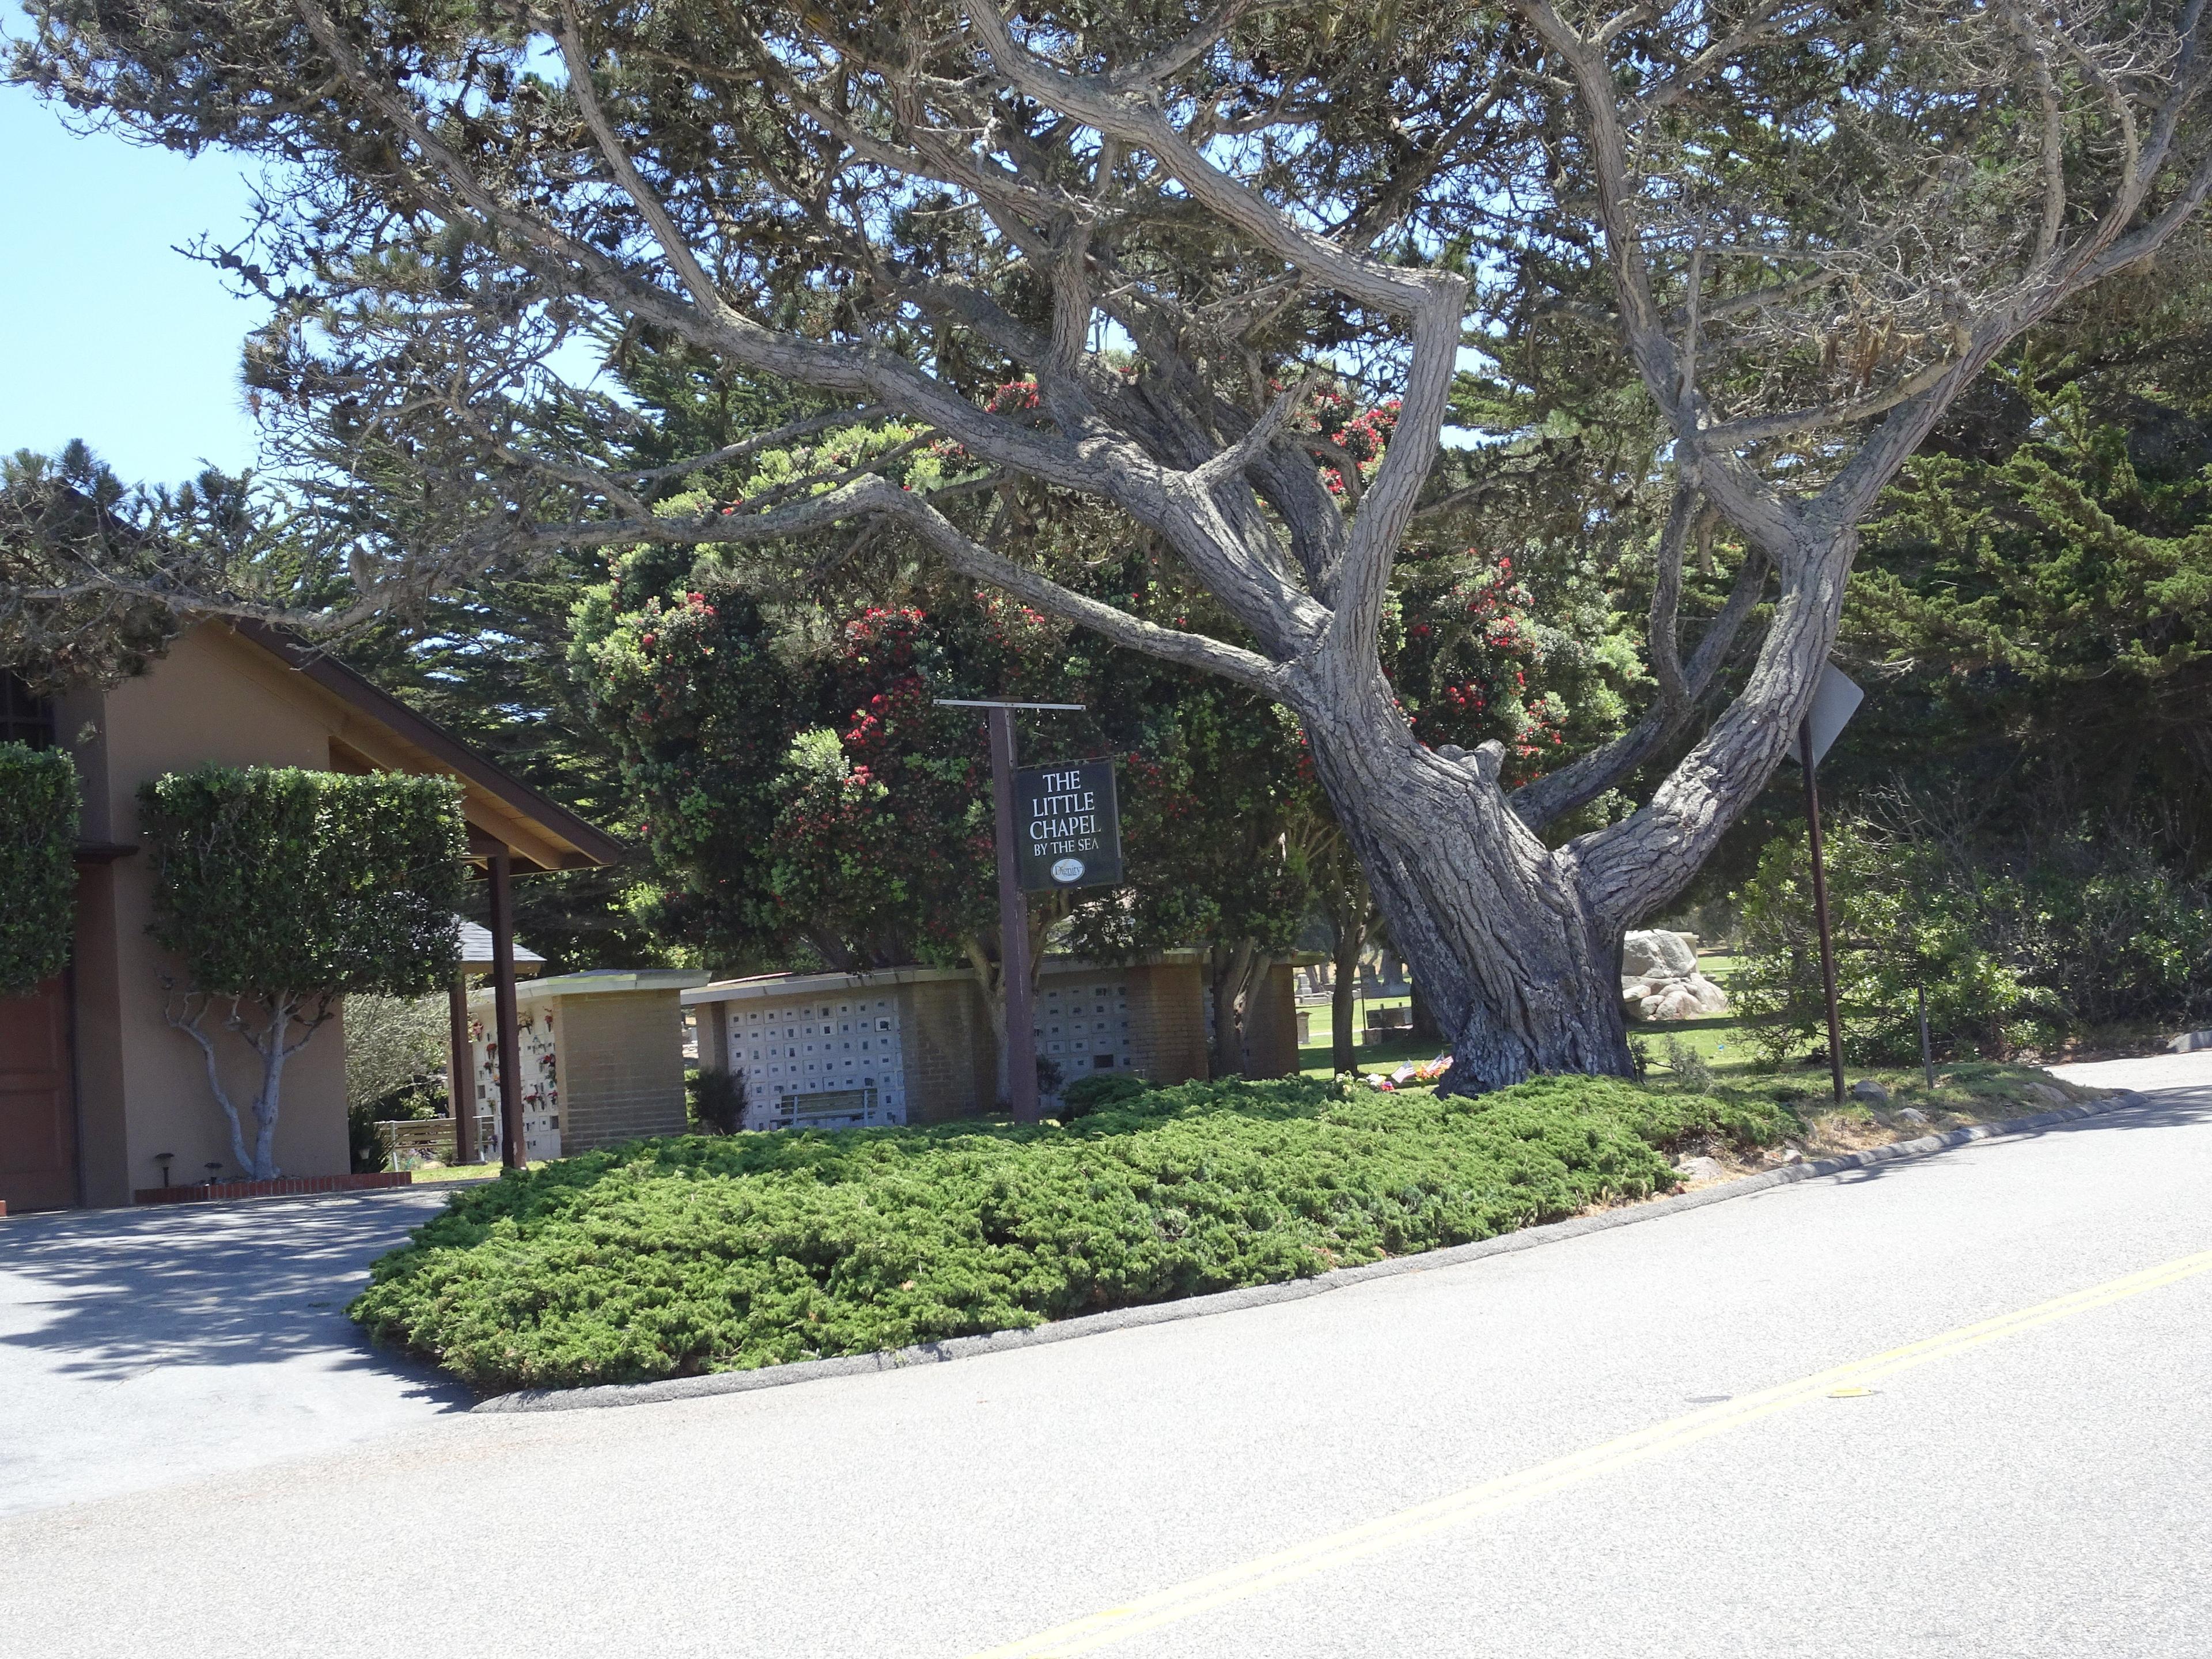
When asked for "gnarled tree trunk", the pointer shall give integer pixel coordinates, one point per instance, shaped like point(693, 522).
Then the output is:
point(1522, 972)
point(1232, 971)
point(1343, 999)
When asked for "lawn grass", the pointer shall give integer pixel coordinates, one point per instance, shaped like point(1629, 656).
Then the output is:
point(697, 1253)
point(1973, 1091)
point(434, 1175)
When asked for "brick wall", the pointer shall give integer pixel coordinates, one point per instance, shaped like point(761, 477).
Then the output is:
point(622, 1068)
point(1270, 1024)
point(1167, 1021)
point(951, 1060)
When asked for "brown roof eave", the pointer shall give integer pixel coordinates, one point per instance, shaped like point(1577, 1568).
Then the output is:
point(593, 844)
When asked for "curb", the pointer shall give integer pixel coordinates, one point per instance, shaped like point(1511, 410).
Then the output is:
point(611, 1395)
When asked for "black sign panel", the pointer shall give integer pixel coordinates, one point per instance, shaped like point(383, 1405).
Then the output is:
point(1067, 827)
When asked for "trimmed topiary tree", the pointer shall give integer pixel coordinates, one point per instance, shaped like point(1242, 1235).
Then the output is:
point(285, 890)
point(37, 869)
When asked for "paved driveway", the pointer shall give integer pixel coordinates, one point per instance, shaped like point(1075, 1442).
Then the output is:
point(144, 1347)
point(2031, 1488)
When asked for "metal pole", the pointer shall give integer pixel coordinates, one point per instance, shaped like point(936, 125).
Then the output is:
point(1927, 1053)
point(511, 1153)
point(460, 1069)
point(1820, 907)
point(1013, 930)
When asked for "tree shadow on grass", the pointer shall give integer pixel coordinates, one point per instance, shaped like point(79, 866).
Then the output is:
point(104, 1296)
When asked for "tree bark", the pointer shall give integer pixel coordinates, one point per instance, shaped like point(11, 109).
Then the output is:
point(1350, 944)
point(266, 1103)
point(1232, 972)
point(1425, 1029)
point(1522, 969)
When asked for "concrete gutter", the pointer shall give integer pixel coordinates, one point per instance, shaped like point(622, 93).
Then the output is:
point(1262, 1296)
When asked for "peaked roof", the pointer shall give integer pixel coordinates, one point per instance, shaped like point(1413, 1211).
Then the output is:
point(502, 811)
point(475, 951)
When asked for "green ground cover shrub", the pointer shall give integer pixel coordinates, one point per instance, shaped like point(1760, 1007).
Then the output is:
point(698, 1254)
point(1098, 1091)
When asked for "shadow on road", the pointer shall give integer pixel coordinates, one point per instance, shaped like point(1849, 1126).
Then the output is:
point(106, 1295)
point(2167, 1108)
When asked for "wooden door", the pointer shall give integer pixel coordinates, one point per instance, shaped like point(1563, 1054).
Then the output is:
point(38, 1104)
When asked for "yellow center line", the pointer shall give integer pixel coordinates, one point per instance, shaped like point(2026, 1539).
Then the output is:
point(1394, 1531)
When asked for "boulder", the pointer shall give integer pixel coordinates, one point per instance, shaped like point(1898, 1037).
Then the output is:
point(1671, 996)
point(1912, 1115)
point(1700, 1169)
point(1711, 1000)
point(1869, 1093)
point(1654, 951)
point(2046, 1094)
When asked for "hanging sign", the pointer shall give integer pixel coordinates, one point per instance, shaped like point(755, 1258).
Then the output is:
point(1067, 826)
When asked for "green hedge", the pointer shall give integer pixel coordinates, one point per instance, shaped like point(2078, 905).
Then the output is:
point(701, 1253)
point(38, 865)
point(271, 880)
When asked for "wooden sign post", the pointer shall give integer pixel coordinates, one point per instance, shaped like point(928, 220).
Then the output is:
point(1014, 966)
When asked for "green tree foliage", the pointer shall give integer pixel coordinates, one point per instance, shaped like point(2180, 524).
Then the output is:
point(490, 664)
point(2046, 610)
point(1741, 265)
point(2077, 934)
point(395, 1051)
point(38, 871)
point(800, 784)
point(96, 578)
point(282, 891)
point(392, 1043)
point(64, 518)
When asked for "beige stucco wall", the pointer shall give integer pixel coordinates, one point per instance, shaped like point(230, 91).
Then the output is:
point(621, 1067)
point(206, 701)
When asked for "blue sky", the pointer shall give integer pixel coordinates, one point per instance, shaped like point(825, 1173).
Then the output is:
point(110, 336)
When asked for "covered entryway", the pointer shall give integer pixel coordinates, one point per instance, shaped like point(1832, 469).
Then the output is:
point(37, 1104)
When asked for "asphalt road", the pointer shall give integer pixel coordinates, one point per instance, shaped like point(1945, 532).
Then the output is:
point(2026, 1487)
point(142, 1348)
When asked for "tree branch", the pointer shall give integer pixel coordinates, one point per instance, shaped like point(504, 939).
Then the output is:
point(876, 494)
point(1543, 800)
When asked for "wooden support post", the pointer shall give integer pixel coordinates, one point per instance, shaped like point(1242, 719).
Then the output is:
point(1013, 930)
point(1821, 909)
point(460, 1069)
point(512, 1151)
